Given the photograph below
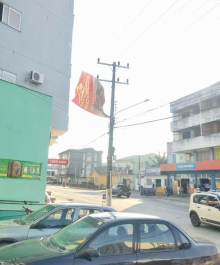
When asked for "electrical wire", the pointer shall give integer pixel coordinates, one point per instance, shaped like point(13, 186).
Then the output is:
point(200, 17)
point(196, 10)
point(53, 14)
point(38, 95)
point(151, 25)
point(183, 101)
point(95, 140)
point(123, 31)
point(177, 11)
point(34, 60)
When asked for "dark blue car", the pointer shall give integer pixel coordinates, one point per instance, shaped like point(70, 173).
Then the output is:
point(113, 238)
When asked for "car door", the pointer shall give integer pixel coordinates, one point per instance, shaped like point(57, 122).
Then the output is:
point(201, 207)
point(116, 245)
point(52, 223)
point(157, 244)
point(213, 215)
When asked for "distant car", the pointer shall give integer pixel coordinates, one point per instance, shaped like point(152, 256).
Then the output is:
point(113, 238)
point(46, 221)
point(121, 190)
point(205, 208)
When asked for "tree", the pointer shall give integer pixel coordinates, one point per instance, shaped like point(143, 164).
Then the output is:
point(159, 159)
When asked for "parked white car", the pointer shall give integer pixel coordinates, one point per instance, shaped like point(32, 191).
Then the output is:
point(205, 208)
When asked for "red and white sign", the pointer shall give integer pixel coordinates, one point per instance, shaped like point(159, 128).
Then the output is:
point(58, 161)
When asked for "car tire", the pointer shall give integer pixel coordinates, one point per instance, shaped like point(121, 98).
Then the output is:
point(4, 244)
point(118, 195)
point(128, 196)
point(195, 220)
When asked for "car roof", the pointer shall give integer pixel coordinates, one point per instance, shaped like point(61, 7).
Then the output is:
point(124, 216)
point(78, 204)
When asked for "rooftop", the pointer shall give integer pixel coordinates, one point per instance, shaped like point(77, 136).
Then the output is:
point(195, 98)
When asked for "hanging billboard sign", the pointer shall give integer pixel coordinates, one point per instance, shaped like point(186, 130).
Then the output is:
point(90, 95)
point(18, 169)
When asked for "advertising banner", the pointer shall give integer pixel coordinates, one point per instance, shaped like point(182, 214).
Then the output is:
point(186, 166)
point(90, 95)
point(19, 169)
point(52, 161)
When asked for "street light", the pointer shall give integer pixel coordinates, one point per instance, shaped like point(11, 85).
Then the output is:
point(146, 100)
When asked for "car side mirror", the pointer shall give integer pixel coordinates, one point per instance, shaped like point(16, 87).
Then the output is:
point(217, 206)
point(39, 225)
point(87, 253)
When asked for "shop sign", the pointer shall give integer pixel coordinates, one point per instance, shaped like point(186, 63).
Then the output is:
point(218, 185)
point(58, 162)
point(160, 190)
point(152, 171)
point(186, 166)
point(17, 169)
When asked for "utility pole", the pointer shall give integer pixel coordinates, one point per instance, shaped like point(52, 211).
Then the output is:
point(111, 149)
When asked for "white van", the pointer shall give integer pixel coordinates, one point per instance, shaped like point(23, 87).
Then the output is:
point(205, 208)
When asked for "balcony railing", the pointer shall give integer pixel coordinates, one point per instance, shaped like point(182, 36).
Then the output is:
point(195, 143)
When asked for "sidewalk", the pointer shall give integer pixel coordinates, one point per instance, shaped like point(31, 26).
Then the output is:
point(136, 194)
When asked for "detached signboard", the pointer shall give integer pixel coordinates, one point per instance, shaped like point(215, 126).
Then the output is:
point(58, 162)
point(20, 169)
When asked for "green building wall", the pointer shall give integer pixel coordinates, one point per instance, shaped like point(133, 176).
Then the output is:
point(24, 135)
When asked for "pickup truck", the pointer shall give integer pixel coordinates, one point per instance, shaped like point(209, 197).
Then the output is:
point(121, 190)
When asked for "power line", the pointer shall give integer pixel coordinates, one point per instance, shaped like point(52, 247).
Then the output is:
point(143, 112)
point(53, 14)
point(36, 91)
point(34, 60)
point(140, 123)
point(183, 101)
point(148, 27)
point(196, 10)
point(178, 11)
point(95, 139)
point(200, 17)
point(28, 90)
point(123, 31)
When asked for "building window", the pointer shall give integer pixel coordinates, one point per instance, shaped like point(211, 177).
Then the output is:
point(186, 135)
point(10, 16)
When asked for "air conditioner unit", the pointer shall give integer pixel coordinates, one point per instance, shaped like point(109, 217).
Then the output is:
point(37, 77)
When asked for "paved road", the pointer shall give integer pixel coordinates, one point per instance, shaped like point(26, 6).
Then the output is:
point(174, 211)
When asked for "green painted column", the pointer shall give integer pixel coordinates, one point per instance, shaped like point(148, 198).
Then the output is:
point(25, 134)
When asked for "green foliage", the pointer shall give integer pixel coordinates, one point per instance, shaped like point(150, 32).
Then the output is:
point(159, 159)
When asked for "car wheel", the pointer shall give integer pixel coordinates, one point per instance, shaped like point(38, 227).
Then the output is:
point(4, 244)
point(128, 196)
point(118, 195)
point(195, 220)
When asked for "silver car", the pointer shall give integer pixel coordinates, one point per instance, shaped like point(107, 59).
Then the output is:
point(46, 221)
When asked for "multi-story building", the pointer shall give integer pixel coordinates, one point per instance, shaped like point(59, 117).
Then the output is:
point(35, 52)
point(194, 154)
point(81, 162)
point(129, 169)
point(35, 70)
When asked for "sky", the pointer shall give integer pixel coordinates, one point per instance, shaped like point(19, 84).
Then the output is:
point(172, 48)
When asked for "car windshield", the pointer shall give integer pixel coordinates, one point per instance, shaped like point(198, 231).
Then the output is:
point(74, 235)
point(28, 219)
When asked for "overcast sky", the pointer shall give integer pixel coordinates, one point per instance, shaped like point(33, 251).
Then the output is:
point(173, 50)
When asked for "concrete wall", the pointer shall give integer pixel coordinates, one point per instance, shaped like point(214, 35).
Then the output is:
point(44, 45)
point(200, 142)
point(195, 120)
point(25, 134)
point(194, 98)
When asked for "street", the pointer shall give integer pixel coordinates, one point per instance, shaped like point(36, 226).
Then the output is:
point(174, 211)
